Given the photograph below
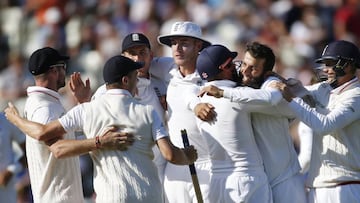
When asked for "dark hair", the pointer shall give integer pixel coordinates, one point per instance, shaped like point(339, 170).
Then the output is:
point(261, 51)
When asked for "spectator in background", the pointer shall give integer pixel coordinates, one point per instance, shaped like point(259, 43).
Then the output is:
point(14, 79)
point(10, 165)
point(4, 50)
point(347, 21)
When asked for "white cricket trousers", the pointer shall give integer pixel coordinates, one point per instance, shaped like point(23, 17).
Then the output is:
point(178, 184)
point(290, 190)
point(239, 187)
point(339, 194)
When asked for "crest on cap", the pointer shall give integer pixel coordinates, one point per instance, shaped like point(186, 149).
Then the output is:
point(209, 60)
point(135, 39)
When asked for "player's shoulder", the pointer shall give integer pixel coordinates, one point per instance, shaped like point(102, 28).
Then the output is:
point(162, 63)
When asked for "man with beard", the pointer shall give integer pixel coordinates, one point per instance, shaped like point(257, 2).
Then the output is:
point(237, 171)
point(271, 130)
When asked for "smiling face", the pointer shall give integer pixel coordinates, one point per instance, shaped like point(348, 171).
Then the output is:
point(251, 69)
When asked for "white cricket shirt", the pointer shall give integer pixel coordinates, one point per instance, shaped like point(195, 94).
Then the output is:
point(52, 180)
point(336, 144)
point(121, 176)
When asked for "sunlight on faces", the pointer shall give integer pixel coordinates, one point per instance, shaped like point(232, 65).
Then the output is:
point(60, 68)
point(328, 69)
point(140, 53)
point(251, 68)
point(185, 50)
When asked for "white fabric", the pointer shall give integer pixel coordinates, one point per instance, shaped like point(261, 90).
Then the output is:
point(52, 180)
point(149, 92)
point(8, 160)
point(305, 136)
point(339, 194)
point(182, 117)
point(159, 72)
point(233, 151)
point(121, 176)
point(290, 190)
point(273, 138)
point(336, 144)
point(178, 184)
point(271, 131)
point(233, 187)
point(320, 92)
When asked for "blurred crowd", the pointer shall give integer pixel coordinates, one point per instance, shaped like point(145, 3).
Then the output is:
point(91, 31)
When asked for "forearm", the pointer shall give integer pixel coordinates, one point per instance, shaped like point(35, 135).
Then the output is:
point(33, 129)
point(179, 157)
point(69, 148)
point(174, 154)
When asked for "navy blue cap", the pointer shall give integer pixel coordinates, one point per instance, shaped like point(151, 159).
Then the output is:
point(210, 58)
point(135, 39)
point(340, 50)
point(117, 67)
point(41, 60)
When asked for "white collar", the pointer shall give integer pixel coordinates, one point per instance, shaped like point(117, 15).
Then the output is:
point(118, 92)
point(43, 90)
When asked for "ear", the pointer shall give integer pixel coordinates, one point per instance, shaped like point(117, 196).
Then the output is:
point(125, 80)
point(223, 65)
point(198, 44)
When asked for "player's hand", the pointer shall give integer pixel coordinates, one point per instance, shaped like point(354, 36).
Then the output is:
point(11, 112)
point(191, 154)
point(211, 90)
point(79, 89)
point(5, 177)
point(287, 94)
point(163, 102)
point(113, 139)
point(205, 111)
point(277, 85)
point(309, 100)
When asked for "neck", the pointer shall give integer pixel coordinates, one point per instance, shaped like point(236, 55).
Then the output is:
point(143, 75)
point(46, 84)
point(342, 80)
point(186, 70)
